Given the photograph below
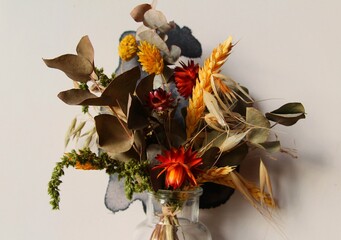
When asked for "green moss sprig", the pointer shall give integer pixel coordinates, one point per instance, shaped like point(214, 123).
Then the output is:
point(103, 79)
point(134, 172)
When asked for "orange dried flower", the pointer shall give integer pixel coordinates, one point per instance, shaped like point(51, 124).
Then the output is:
point(179, 165)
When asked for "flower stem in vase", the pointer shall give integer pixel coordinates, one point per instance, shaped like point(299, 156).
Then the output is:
point(167, 228)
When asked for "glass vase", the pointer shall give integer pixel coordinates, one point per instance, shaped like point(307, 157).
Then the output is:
point(172, 215)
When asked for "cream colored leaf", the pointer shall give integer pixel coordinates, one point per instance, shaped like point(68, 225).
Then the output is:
point(155, 19)
point(174, 54)
point(211, 121)
point(213, 107)
point(226, 141)
point(264, 180)
point(231, 141)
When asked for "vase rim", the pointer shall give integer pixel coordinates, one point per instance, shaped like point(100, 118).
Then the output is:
point(196, 192)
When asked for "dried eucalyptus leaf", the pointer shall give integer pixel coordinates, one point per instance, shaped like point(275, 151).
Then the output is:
point(234, 157)
point(209, 158)
point(137, 116)
point(144, 87)
point(121, 86)
point(138, 12)
point(259, 126)
point(85, 49)
point(174, 54)
point(116, 94)
point(140, 143)
point(113, 134)
point(125, 156)
point(287, 114)
point(76, 96)
point(77, 68)
point(155, 19)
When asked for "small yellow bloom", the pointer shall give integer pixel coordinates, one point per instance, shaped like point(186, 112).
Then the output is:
point(127, 47)
point(150, 58)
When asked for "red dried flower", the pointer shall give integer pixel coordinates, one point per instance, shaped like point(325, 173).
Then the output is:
point(179, 166)
point(185, 77)
point(160, 100)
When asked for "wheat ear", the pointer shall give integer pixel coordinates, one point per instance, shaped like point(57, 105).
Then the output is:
point(211, 66)
point(224, 176)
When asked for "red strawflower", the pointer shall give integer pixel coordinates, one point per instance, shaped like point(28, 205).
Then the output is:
point(160, 100)
point(185, 78)
point(179, 166)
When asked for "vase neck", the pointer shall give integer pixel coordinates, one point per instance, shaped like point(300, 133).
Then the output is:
point(183, 204)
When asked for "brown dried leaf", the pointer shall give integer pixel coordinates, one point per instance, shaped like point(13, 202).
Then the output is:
point(209, 158)
point(138, 12)
point(144, 87)
point(113, 134)
point(76, 96)
point(137, 116)
point(85, 49)
point(77, 68)
point(121, 86)
point(116, 94)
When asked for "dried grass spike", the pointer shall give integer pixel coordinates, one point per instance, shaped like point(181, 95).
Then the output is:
point(211, 66)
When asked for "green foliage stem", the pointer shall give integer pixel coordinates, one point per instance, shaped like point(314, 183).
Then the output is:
point(135, 173)
point(104, 80)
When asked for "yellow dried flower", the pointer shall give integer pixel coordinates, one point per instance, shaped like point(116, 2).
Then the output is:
point(150, 58)
point(127, 47)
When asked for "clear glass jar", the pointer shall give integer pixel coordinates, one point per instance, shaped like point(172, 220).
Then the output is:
point(172, 215)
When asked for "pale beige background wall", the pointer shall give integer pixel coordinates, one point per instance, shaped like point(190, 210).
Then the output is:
point(288, 50)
